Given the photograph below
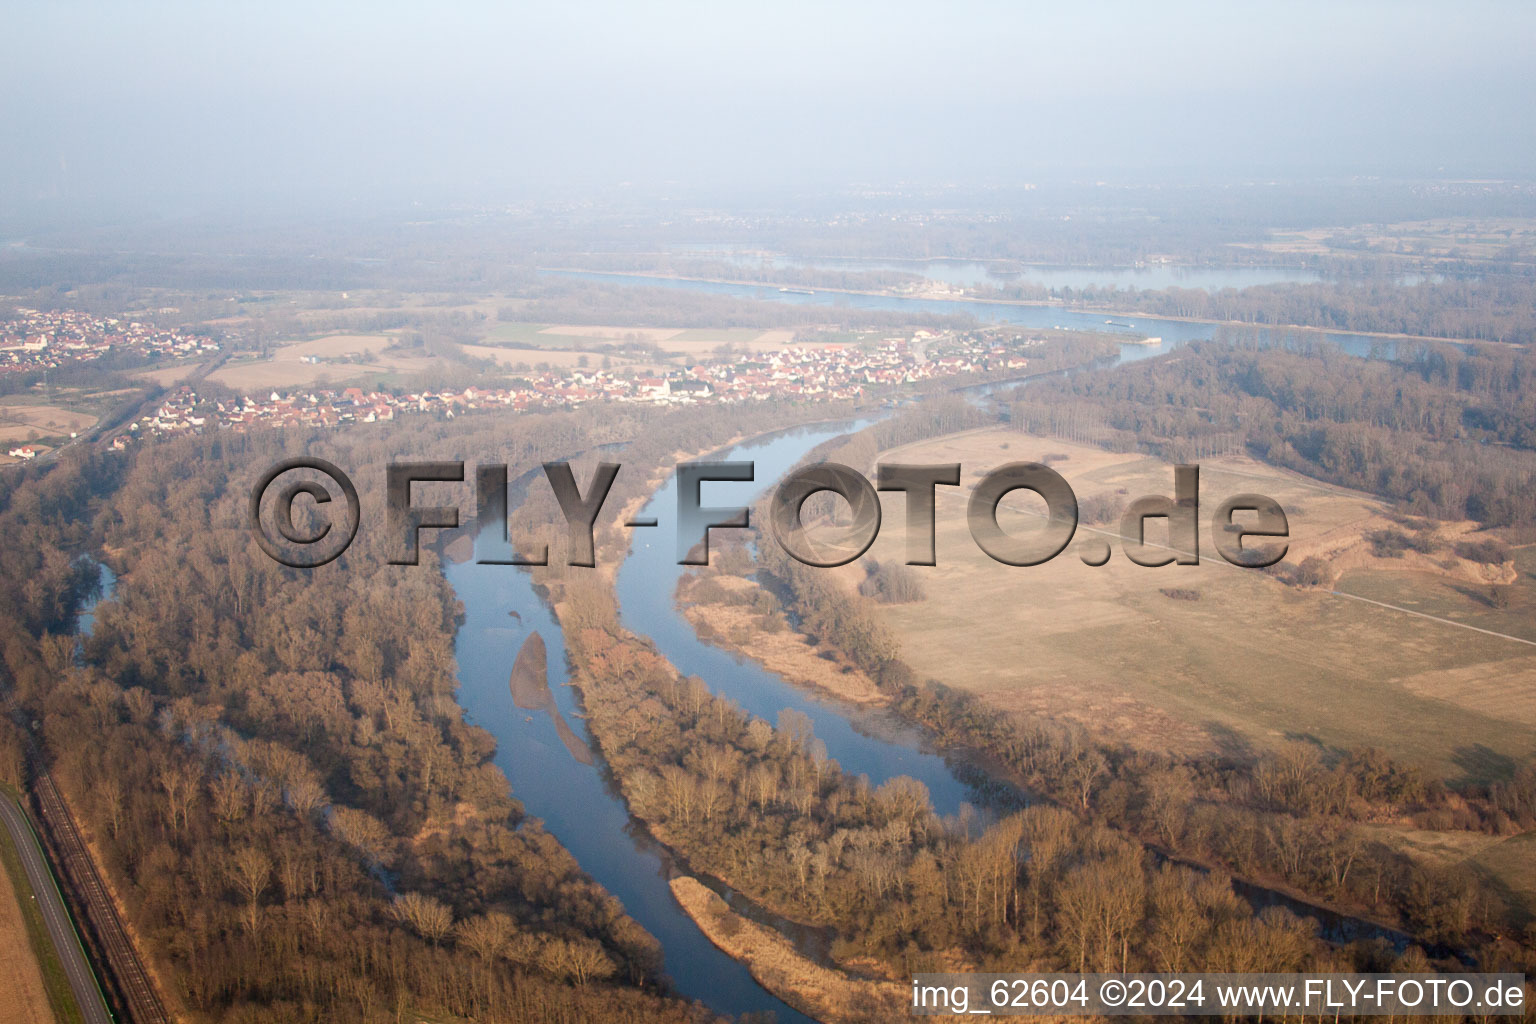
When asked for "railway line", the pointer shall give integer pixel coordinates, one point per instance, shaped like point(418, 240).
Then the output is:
point(115, 952)
point(56, 919)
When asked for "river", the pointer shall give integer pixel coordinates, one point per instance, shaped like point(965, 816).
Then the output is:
point(85, 617)
point(865, 742)
point(1172, 332)
point(547, 754)
point(963, 273)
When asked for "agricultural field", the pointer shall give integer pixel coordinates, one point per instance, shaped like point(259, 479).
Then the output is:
point(553, 357)
point(45, 418)
point(1478, 239)
point(560, 358)
point(700, 343)
point(166, 376)
point(25, 421)
point(1214, 657)
point(342, 357)
point(577, 336)
point(610, 335)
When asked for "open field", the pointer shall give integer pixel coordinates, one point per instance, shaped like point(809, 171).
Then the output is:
point(1249, 663)
point(703, 340)
point(690, 341)
point(1511, 862)
point(22, 421)
point(530, 334)
point(273, 373)
point(336, 346)
point(729, 335)
point(1459, 238)
point(559, 358)
point(351, 357)
point(531, 356)
point(13, 432)
point(707, 343)
point(577, 336)
point(613, 334)
point(285, 367)
point(165, 376)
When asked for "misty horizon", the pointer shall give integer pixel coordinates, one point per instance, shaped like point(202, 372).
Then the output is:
point(180, 110)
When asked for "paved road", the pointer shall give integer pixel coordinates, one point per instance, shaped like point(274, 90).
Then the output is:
point(81, 979)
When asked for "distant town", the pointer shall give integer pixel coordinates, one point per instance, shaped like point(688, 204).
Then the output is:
point(820, 372)
point(46, 341)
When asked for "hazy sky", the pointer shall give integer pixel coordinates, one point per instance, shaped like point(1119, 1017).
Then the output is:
point(214, 102)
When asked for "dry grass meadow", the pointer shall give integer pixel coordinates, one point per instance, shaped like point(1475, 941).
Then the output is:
point(560, 358)
point(612, 334)
point(560, 346)
point(166, 376)
point(687, 341)
point(508, 356)
point(1250, 662)
point(286, 368)
point(24, 421)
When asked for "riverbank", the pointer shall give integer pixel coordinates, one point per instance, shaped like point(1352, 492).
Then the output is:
point(718, 813)
point(782, 650)
point(821, 992)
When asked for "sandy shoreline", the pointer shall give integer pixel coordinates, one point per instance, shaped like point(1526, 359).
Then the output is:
point(785, 653)
point(821, 992)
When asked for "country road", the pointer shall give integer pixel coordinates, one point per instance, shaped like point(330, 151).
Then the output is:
point(78, 970)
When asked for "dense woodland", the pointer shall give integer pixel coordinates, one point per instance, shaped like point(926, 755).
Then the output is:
point(303, 827)
point(1444, 432)
point(300, 823)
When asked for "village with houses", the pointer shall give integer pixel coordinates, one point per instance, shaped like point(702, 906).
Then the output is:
point(804, 370)
point(41, 341)
point(823, 372)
